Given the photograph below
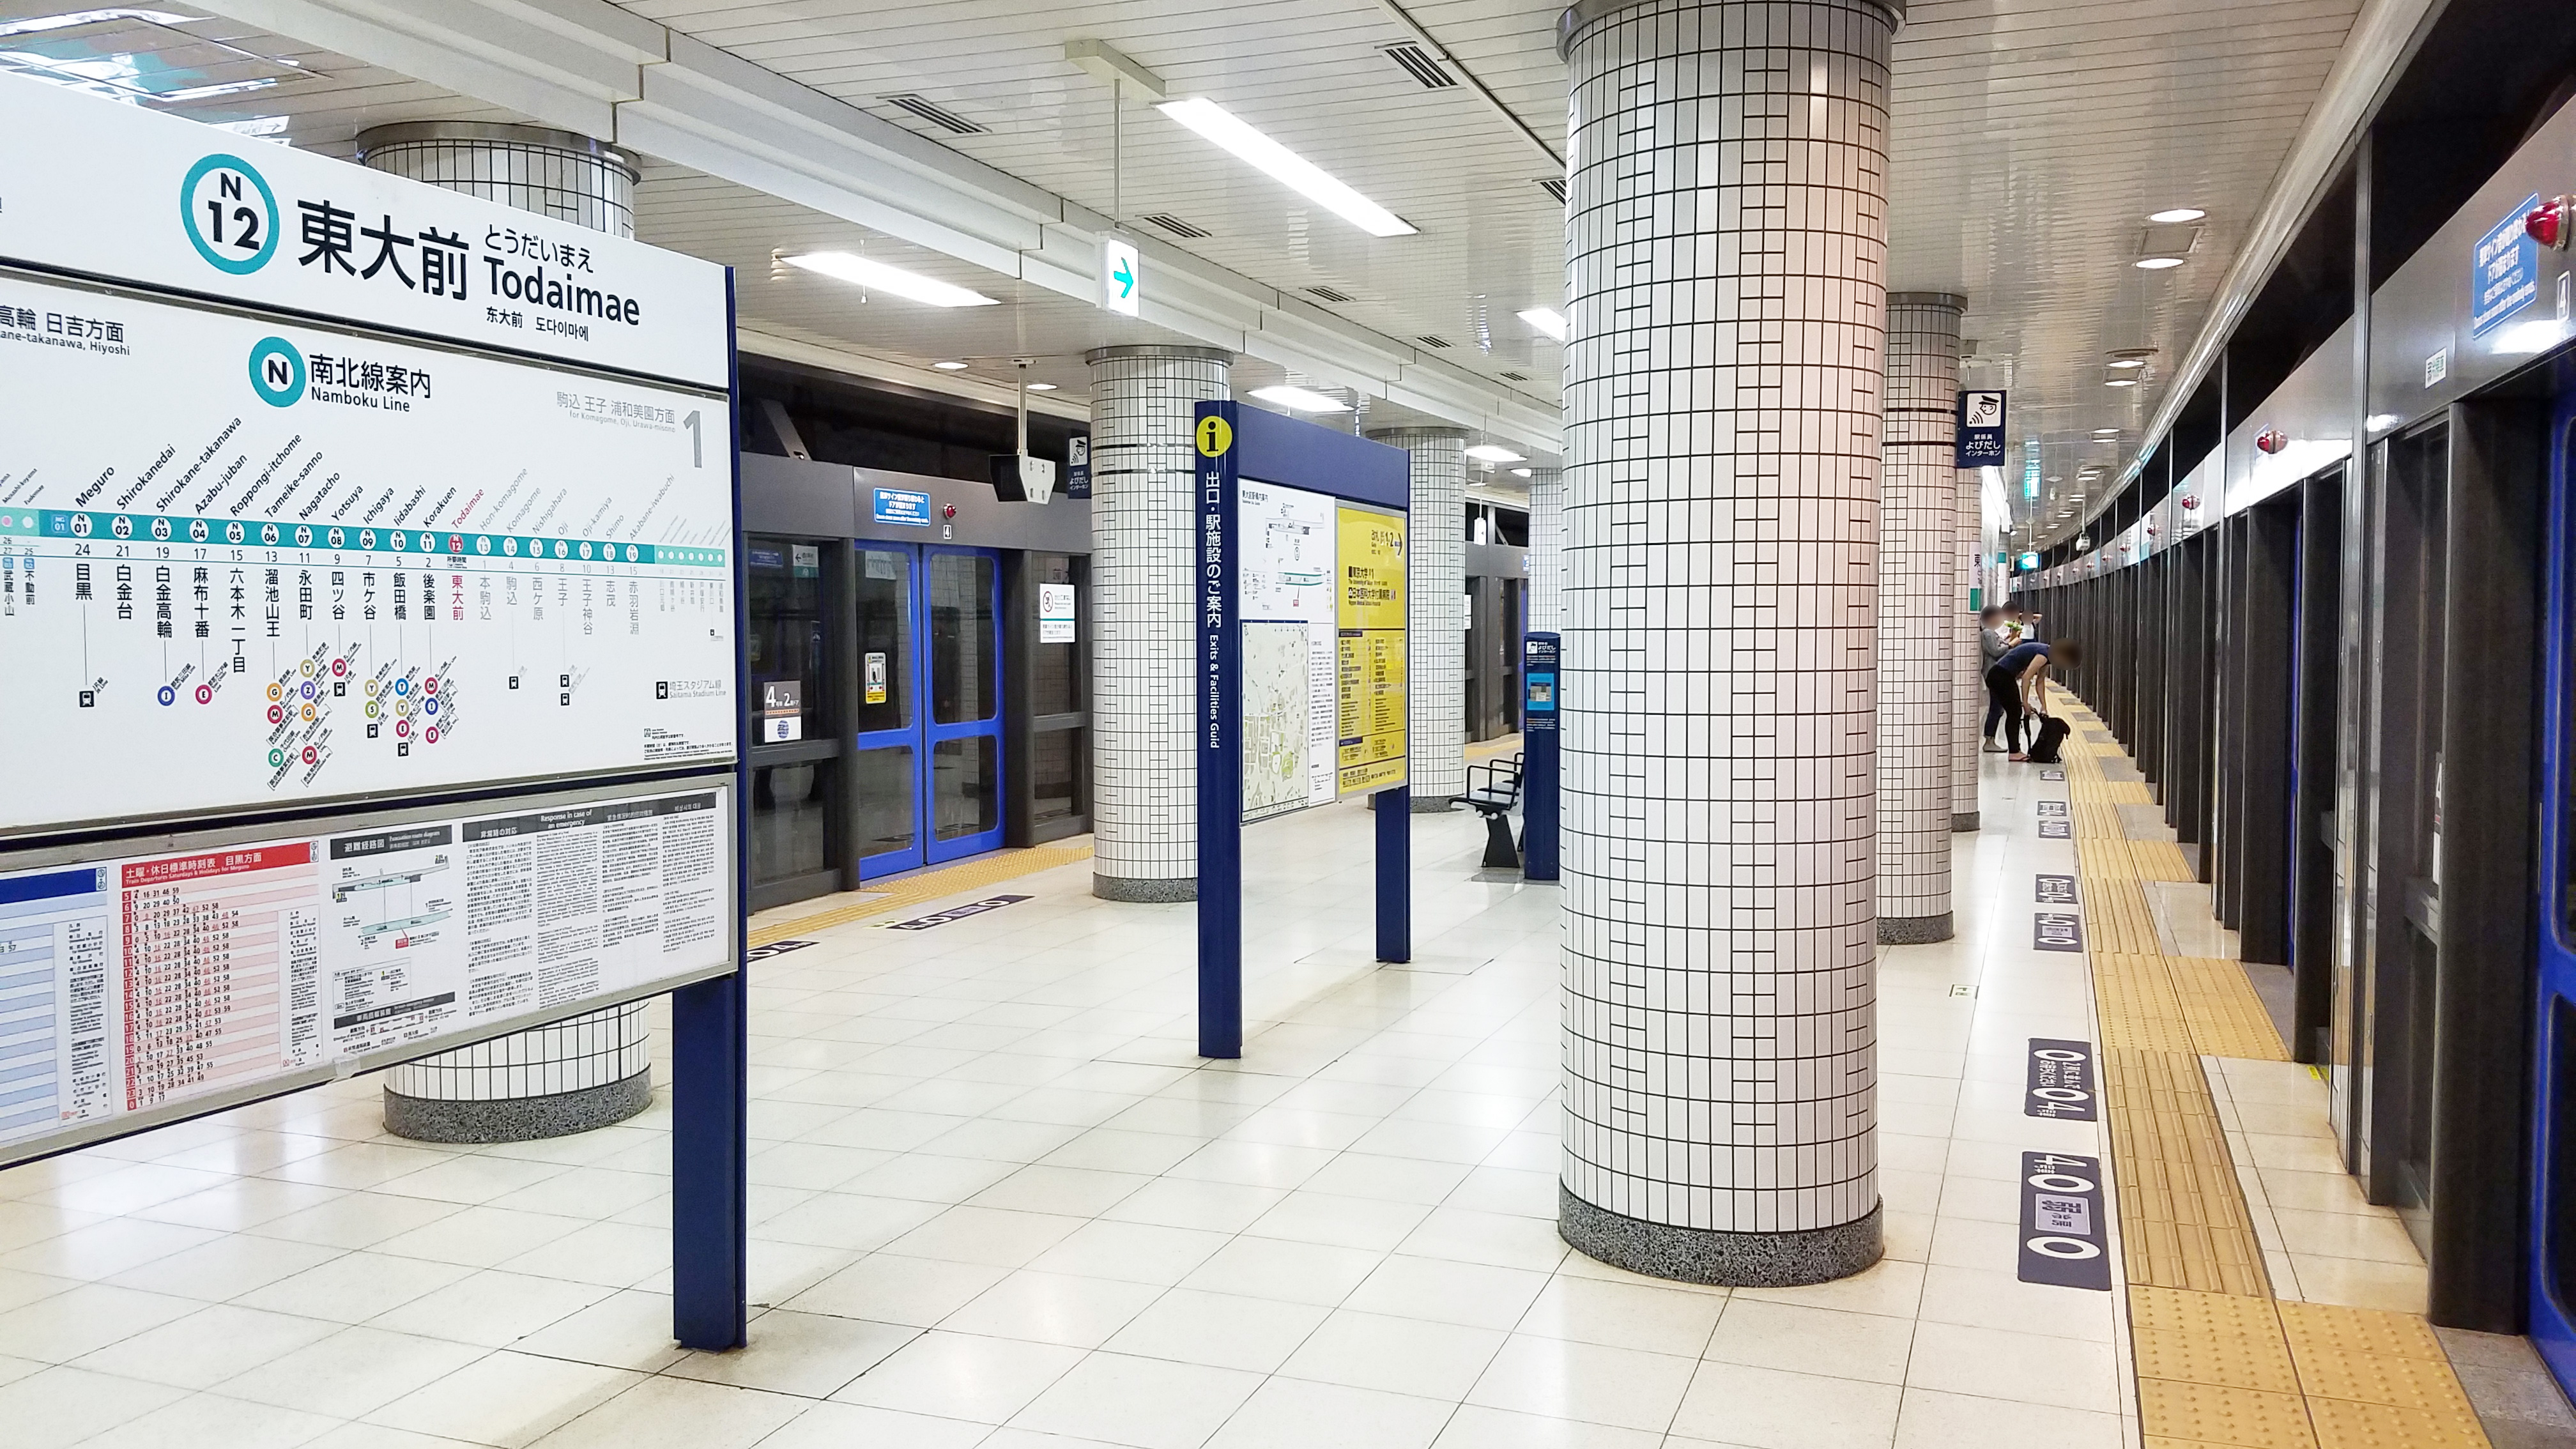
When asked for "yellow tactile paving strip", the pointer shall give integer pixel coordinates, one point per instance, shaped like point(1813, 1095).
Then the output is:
point(2219, 1362)
point(929, 885)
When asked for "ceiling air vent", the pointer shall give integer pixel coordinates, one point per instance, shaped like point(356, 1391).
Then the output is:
point(1419, 64)
point(936, 114)
point(1176, 226)
point(1554, 186)
point(1331, 294)
point(1427, 340)
point(1517, 376)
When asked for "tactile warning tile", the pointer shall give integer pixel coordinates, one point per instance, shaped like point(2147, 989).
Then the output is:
point(2129, 792)
point(912, 890)
point(2135, 997)
point(2227, 1019)
point(2160, 860)
point(2202, 1315)
point(2108, 858)
point(2116, 917)
point(2216, 1414)
point(2227, 1361)
point(2182, 1215)
point(2370, 1378)
point(2322, 1328)
point(2098, 820)
point(2343, 1424)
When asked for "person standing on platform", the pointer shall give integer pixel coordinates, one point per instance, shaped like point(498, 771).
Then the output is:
point(2017, 684)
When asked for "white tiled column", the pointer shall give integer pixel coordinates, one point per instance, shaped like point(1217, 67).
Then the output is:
point(590, 1070)
point(1547, 550)
point(1726, 244)
point(1967, 688)
point(1436, 719)
point(1918, 570)
point(1144, 764)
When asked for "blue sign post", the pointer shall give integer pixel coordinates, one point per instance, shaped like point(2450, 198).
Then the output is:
point(1539, 766)
point(1238, 445)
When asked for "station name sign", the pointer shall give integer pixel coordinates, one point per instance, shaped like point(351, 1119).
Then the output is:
point(163, 201)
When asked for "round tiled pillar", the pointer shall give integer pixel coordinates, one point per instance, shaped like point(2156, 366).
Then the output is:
point(1435, 680)
point(590, 1070)
point(1918, 569)
point(1144, 624)
point(1967, 654)
point(1547, 550)
point(1726, 244)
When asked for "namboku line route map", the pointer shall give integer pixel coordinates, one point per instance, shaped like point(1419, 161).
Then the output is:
point(303, 579)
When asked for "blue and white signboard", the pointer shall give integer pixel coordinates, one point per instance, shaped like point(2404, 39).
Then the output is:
point(2504, 277)
point(1981, 430)
point(902, 505)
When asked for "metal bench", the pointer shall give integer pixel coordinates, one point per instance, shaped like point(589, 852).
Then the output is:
point(1493, 798)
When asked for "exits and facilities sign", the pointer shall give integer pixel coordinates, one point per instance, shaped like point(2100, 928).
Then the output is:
point(2504, 274)
point(1981, 430)
point(1120, 290)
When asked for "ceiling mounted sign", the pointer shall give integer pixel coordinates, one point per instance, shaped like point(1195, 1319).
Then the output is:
point(1981, 430)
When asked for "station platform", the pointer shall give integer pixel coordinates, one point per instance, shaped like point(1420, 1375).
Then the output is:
point(998, 1201)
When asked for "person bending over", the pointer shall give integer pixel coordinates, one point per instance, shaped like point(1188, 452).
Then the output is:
point(2018, 684)
point(1997, 633)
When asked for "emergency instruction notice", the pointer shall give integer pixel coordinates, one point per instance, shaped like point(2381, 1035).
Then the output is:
point(1370, 571)
point(132, 983)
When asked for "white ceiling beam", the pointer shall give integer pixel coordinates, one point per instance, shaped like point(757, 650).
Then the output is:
point(592, 67)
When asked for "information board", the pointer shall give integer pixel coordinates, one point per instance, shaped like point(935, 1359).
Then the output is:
point(1323, 672)
point(149, 980)
point(317, 564)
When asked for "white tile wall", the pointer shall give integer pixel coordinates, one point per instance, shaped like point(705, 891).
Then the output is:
point(1547, 549)
point(1144, 782)
point(1726, 257)
point(590, 1050)
point(1917, 578)
point(1436, 720)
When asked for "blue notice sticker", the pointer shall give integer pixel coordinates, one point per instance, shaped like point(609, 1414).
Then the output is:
point(899, 505)
point(2504, 275)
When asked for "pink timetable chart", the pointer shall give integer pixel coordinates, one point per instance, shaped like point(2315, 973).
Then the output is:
point(222, 960)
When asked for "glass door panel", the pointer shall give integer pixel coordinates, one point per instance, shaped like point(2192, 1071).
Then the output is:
point(963, 588)
point(929, 781)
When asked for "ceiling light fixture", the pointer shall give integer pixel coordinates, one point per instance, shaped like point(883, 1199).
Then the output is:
point(1295, 172)
point(2119, 382)
point(1520, 472)
point(858, 271)
point(2177, 216)
point(1489, 453)
point(950, 366)
point(1041, 387)
point(1547, 320)
point(2107, 432)
point(2156, 264)
point(1301, 400)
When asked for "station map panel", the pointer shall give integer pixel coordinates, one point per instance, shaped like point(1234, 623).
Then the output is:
point(1323, 671)
point(312, 564)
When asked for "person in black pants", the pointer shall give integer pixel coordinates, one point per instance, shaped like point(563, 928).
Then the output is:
point(2017, 684)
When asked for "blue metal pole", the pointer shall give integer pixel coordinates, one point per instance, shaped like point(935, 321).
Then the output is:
point(710, 1061)
point(1220, 731)
point(1394, 873)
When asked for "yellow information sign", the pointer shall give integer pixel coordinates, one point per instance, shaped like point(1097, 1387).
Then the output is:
point(1215, 435)
point(1371, 554)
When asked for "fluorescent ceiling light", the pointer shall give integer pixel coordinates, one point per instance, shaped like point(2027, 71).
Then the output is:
point(950, 366)
point(1488, 453)
point(1301, 400)
point(2177, 216)
point(69, 18)
point(1041, 387)
point(858, 271)
point(1547, 320)
point(2381, 422)
point(1520, 472)
point(2120, 382)
point(1297, 173)
point(2157, 264)
point(2107, 432)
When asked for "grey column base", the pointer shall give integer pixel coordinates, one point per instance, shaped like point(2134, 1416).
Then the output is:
point(517, 1119)
point(1144, 890)
point(1790, 1259)
point(1913, 930)
point(1965, 820)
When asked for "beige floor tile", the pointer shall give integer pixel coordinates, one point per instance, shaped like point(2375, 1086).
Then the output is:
point(961, 1376)
point(672, 1413)
point(2030, 1368)
point(1562, 1379)
point(1398, 1355)
point(1760, 1333)
point(1762, 1408)
point(508, 1400)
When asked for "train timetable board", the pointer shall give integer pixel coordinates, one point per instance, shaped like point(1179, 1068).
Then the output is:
point(139, 984)
point(317, 564)
point(1323, 671)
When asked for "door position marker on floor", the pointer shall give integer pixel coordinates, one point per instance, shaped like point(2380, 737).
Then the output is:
point(2060, 1083)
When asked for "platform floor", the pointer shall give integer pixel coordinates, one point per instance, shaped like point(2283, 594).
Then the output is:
point(1000, 1202)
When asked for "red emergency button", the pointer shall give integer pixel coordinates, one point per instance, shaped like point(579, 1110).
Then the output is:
point(2548, 223)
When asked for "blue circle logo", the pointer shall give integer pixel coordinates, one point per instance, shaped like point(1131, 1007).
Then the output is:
point(277, 372)
point(229, 214)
